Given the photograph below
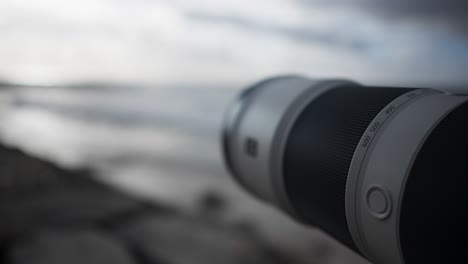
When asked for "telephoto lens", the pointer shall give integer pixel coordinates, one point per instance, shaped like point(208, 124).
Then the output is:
point(383, 170)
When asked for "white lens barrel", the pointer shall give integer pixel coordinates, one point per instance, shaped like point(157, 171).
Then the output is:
point(380, 168)
point(256, 141)
point(339, 156)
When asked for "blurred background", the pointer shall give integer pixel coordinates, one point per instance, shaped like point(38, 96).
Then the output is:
point(136, 89)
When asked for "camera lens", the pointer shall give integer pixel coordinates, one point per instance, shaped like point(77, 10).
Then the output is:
point(375, 167)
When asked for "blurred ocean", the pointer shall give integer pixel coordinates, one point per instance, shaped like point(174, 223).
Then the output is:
point(148, 131)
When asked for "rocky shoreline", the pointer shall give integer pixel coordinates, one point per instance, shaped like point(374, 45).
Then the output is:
point(54, 215)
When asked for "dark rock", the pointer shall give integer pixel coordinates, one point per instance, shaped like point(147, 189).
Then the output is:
point(36, 194)
point(71, 247)
point(49, 214)
point(187, 240)
point(212, 204)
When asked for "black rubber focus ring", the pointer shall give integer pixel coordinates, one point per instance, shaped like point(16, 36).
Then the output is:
point(319, 150)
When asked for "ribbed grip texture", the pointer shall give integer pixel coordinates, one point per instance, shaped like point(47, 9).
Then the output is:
point(319, 151)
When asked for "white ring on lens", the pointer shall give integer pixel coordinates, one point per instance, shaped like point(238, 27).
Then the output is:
point(385, 160)
point(362, 150)
point(259, 122)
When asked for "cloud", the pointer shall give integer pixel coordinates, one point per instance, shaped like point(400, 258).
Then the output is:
point(451, 13)
point(300, 33)
point(230, 41)
point(447, 10)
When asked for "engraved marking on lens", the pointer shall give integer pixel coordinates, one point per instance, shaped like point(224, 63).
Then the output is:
point(251, 147)
point(375, 126)
point(366, 141)
point(390, 109)
point(372, 131)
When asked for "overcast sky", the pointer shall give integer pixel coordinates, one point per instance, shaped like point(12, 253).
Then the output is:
point(232, 41)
